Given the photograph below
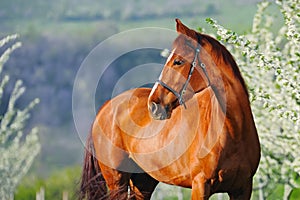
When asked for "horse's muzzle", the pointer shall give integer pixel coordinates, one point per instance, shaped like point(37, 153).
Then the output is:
point(159, 112)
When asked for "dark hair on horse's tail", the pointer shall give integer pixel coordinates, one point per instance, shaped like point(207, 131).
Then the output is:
point(93, 185)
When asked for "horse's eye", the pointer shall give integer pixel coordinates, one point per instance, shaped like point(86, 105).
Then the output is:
point(178, 62)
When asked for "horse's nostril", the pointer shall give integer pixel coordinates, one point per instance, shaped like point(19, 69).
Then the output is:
point(154, 107)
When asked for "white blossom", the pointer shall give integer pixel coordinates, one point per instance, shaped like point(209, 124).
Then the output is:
point(17, 149)
point(270, 64)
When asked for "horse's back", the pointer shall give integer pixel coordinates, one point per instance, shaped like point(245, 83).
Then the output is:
point(107, 132)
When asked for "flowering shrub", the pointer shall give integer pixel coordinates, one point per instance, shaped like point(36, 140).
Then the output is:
point(16, 149)
point(270, 64)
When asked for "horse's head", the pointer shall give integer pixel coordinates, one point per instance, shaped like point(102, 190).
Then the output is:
point(185, 73)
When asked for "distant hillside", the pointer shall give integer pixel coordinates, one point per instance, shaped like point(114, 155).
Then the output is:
point(111, 9)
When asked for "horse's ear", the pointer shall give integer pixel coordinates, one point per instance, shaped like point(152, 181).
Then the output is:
point(181, 28)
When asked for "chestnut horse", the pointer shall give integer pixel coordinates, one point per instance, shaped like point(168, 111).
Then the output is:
point(194, 129)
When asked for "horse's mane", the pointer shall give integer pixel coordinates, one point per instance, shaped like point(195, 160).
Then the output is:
point(224, 54)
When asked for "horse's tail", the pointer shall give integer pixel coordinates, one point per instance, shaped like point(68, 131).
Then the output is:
point(93, 185)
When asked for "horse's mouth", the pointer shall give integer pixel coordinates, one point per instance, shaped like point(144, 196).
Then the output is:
point(160, 116)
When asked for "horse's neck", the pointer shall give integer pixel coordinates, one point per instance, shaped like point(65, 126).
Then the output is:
point(234, 102)
point(229, 89)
